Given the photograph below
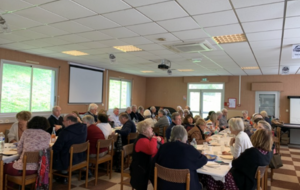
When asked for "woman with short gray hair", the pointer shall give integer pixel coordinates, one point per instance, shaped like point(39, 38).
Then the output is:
point(162, 122)
point(241, 140)
point(177, 154)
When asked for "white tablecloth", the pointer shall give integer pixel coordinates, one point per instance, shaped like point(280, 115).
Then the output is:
point(9, 159)
point(219, 172)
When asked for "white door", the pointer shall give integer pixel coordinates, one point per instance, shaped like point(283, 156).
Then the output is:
point(267, 101)
point(194, 101)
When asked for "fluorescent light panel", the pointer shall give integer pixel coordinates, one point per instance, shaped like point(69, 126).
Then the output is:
point(185, 70)
point(230, 38)
point(129, 48)
point(147, 71)
point(74, 53)
point(249, 68)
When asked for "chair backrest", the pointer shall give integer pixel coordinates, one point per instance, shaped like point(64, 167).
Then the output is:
point(278, 132)
point(171, 175)
point(6, 135)
point(114, 137)
point(259, 175)
point(132, 136)
point(165, 129)
point(31, 157)
point(101, 143)
point(127, 150)
point(156, 130)
point(78, 148)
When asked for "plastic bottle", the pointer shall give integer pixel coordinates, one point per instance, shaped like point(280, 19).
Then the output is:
point(2, 141)
point(194, 143)
point(53, 136)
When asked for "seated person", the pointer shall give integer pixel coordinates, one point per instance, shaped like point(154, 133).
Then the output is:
point(181, 114)
point(141, 113)
point(103, 125)
point(208, 116)
point(128, 127)
point(93, 135)
point(178, 155)
point(92, 110)
point(115, 117)
point(196, 117)
point(262, 124)
point(168, 115)
point(241, 140)
point(153, 112)
point(199, 132)
point(222, 118)
point(213, 123)
point(186, 112)
point(188, 122)
point(255, 116)
point(74, 133)
point(34, 138)
point(55, 121)
point(128, 111)
point(145, 147)
point(245, 115)
point(75, 113)
point(162, 122)
point(147, 114)
point(243, 171)
point(134, 114)
point(17, 129)
point(255, 124)
point(176, 120)
point(265, 116)
point(188, 108)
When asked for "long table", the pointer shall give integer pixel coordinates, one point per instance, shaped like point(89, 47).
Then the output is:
point(11, 158)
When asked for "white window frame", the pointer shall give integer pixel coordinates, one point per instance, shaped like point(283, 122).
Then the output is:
point(277, 101)
point(54, 95)
point(130, 98)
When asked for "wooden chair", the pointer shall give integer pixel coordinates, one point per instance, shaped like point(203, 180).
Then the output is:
point(107, 158)
point(260, 172)
point(28, 157)
point(165, 129)
point(126, 152)
point(277, 146)
point(1, 172)
point(132, 136)
point(50, 175)
point(171, 175)
point(114, 137)
point(156, 130)
point(77, 148)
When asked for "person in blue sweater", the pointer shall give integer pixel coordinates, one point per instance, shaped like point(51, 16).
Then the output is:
point(176, 120)
point(128, 127)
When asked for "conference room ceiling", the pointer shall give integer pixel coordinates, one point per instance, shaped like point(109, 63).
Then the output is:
point(47, 28)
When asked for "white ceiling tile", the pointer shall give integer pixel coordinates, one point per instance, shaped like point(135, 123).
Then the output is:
point(46, 42)
point(17, 46)
point(137, 3)
point(253, 72)
point(163, 11)
point(68, 9)
point(292, 33)
point(190, 34)
point(149, 47)
point(127, 17)
point(269, 70)
point(70, 47)
point(40, 15)
point(5, 41)
point(265, 25)
point(147, 29)
point(162, 52)
point(104, 6)
point(19, 21)
point(97, 22)
point(73, 38)
point(224, 30)
point(167, 36)
point(38, 2)
point(136, 40)
point(95, 35)
point(195, 7)
point(13, 37)
point(114, 43)
point(216, 19)
point(262, 12)
point(266, 44)
point(30, 34)
point(186, 23)
point(48, 30)
point(71, 27)
point(269, 35)
point(239, 4)
point(292, 22)
point(12, 5)
point(119, 32)
point(236, 71)
point(290, 41)
point(293, 8)
point(96, 48)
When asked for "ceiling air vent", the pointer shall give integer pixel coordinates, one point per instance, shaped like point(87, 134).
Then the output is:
point(193, 47)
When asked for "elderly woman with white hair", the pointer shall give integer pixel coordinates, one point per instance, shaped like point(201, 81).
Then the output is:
point(178, 155)
point(92, 110)
point(241, 142)
point(145, 147)
point(264, 114)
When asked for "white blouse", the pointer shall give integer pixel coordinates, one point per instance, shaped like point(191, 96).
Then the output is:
point(13, 132)
point(242, 142)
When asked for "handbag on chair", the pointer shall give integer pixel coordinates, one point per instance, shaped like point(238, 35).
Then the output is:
point(276, 162)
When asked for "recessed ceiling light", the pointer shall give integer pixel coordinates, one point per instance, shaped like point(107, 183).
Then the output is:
point(161, 39)
point(249, 68)
point(74, 53)
point(230, 38)
point(196, 60)
point(185, 70)
point(147, 71)
point(128, 48)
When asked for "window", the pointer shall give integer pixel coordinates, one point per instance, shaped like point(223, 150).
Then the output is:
point(119, 93)
point(206, 86)
point(26, 87)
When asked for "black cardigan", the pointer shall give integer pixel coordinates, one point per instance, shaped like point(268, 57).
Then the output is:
point(53, 121)
point(245, 166)
point(178, 155)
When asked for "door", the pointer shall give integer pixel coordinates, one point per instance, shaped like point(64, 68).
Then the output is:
point(211, 101)
point(267, 101)
point(194, 101)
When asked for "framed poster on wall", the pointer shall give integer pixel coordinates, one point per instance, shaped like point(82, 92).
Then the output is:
point(232, 102)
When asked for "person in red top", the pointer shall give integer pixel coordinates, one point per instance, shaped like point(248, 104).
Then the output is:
point(144, 149)
point(94, 133)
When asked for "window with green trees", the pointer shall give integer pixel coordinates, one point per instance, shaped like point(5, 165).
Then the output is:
point(26, 87)
point(119, 93)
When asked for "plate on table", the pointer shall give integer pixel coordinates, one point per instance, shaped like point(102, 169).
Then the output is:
point(215, 144)
point(10, 152)
point(211, 157)
point(227, 157)
point(212, 165)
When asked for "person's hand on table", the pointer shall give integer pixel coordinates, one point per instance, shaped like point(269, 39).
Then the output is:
point(57, 127)
point(13, 141)
point(232, 141)
point(208, 139)
point(224, 127)
point(226, 153)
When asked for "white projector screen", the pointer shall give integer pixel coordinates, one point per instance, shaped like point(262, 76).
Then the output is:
point(85, 85)
point(294, 110)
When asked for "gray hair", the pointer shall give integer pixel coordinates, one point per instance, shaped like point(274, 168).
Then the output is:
point(88, 119)
point(116, 109)
point(124, 115)
point(245, 111)
point(224, 109)
point(174, 115)
point(141, 108)
point(265, 124)
point(186, 111)
point(55, 107)
point(128, 108)
point(236, 124)
point(152, 107)
point(133, 106)
point(162, 112)
point(219, 113)
point(143, 125)
point(178, 133)
point(92, 106)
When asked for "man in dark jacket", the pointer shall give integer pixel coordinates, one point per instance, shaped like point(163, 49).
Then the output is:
point(56, 121)
point(74, 133)
point(128, 127)
point(176, 120)
point(135, 115)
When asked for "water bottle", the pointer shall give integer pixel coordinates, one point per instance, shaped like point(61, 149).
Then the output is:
point(2, 141)
point(194, 143)
point(53, 136)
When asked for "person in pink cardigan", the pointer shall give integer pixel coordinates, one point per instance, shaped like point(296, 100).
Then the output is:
point(34, 138)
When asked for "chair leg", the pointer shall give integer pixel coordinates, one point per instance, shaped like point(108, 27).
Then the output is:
point(69, 179)
point(272, 172)
point(50, 181)
point(96, 174)
point(5, 187)
point(107, 166)
point(121, 182)
point(87, 176)
point(111, 163)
